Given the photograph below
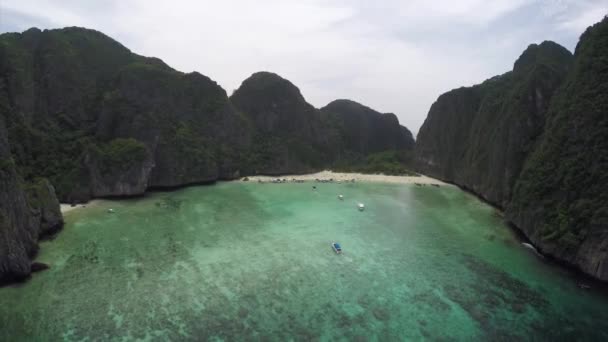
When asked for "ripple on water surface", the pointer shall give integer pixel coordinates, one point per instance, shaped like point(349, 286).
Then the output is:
point(239, 261)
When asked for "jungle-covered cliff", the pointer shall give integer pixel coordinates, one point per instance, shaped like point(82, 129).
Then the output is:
point(98, 120)
point(478, 137)
point(289, 136)
point(534, 142)
point(81, 116)
point(28, 212)
point(365, 140)
point(560, 199)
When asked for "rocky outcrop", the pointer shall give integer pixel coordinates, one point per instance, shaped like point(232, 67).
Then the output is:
point(289, 134)
point(185, 120)
point(45, 207)
point(362, 131)
point(478, 137)
point(17, 224)
point(119, 168)
point(74, 91)
point(22, 223)
point(533, 141)
point(560, 199)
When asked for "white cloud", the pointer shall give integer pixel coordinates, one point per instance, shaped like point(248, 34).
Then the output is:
point(591, 13)
point(392, 55)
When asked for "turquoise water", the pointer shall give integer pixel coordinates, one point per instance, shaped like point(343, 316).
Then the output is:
point(242, 261)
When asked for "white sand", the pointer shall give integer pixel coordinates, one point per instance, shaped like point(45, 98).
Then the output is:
point(340, 176)
point(65, 207)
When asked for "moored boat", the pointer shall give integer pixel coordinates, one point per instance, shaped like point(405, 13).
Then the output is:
point(336, 247)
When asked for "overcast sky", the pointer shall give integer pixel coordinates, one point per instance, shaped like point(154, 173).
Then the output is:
point(394, 56)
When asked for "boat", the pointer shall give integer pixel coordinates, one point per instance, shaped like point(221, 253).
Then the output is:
point(341, 197)
point(361, 206)
point(336, 247)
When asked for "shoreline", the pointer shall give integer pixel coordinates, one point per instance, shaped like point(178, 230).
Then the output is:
point(347, 177)
point(323, 176)
point(66, 207)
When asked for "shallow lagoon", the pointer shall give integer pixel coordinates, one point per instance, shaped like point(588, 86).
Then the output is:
point(237, 261)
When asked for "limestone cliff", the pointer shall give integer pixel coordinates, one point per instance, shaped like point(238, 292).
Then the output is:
point(361, 130)
point(289, 134)
point(561, 197)
point(25, 216)
point(533, 141)
point(478, 137)
point(73, 92)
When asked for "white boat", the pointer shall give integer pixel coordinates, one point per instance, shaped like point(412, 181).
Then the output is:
point(341, 197)
point(361, 206)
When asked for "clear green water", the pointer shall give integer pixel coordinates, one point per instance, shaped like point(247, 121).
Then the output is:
point(238, 261)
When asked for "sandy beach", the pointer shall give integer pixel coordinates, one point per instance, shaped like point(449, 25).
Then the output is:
point(66, 207)
point(358, 177)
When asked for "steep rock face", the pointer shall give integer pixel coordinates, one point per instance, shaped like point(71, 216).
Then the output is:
point(119, 168)
point(442, 139)
point(24, 215)
point(362, 130)
point(479, 137)
point(73, 91)
point(27, 211)
point(55, 81)
point(18, 229)
point(290, 136)
point(185, 120)
point(533, 141)
point(45, 206)
point(561, 198)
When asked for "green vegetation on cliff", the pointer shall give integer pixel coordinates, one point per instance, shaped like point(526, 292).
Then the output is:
point(479, 137)
point(534, 141)
point(289, 134)
point(6, 164)
point(36, 194)
point(119, 155)
point(367, 141)
point(561, 197)
point(395, 163)
point(71, 91)
point(74, 97)
point(55, 153)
